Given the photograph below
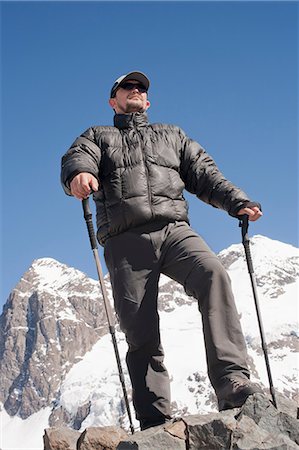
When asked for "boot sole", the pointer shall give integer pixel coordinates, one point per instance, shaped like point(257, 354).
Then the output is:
point(227, 404)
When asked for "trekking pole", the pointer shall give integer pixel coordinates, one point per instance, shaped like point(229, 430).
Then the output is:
point(108, 309)
point(246, 243)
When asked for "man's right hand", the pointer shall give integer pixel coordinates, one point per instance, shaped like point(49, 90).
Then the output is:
point(82, 185)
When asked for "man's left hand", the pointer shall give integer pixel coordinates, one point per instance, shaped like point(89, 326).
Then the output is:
point(254, 213)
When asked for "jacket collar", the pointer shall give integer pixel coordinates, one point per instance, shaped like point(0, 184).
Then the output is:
point(136, 119)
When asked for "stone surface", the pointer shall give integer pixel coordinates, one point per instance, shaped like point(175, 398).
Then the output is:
point(278, 423)
point(101, 438)
point(248, 436)
point(178, 429)
point(60, 439)
point(210, 431)
point(257, 425)
point(156, 438)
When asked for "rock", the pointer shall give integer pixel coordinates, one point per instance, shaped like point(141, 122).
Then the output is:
point(82, 413)
point(59, 417)
point(60, 439)
point(210, 431)
point(288, 406)
point(257, 425)
point(177, 428)
point(164, 437)
point(248, 436)
point(101, 438)
point(278, 423)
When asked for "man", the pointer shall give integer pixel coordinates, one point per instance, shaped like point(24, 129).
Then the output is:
point(138, 172)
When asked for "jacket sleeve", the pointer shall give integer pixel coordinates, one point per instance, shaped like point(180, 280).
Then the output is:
point(203, 178)
point(84, 155)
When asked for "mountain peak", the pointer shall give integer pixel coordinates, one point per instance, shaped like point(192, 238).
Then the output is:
point(265, 247)
point(275, 263)
point(273, 247)
point(50, 274)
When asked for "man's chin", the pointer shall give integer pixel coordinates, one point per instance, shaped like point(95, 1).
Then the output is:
point(133, 110)
point(134, 107)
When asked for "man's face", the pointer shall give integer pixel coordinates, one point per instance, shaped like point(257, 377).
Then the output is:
point(131, 100)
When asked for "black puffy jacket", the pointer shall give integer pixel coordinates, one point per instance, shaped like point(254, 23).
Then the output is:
point(143, 169)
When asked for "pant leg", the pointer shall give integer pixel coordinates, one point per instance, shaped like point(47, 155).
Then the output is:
point(134, 273)
point(188, 260)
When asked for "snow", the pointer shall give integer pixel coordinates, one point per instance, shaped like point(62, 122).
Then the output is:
point(19, 328)
point(52, 276)
point(163, 280)
point(49, 272)
point(67, 314)
point(275, 263)
point(183, 343)
point(279, 316)
point(23, 434)
point(95, 378)
point(265, 249)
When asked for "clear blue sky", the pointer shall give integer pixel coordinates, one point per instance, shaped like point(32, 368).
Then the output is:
point(226, 72)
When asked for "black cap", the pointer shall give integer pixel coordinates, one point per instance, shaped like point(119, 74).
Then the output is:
point(138, 76)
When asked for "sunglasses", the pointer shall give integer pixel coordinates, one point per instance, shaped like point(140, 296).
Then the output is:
point(130, 86)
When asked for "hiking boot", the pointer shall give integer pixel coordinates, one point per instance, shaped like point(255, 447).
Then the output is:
point(234, 392)
point(145, 424)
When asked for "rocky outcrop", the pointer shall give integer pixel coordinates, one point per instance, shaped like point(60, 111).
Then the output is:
point(108, 439)
point(61, 438)
point(51, 319)
point(257, 425)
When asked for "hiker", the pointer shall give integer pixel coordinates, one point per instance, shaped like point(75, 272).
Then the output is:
point(137, 172)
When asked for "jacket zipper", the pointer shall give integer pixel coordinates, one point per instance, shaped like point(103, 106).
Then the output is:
point(149, 192)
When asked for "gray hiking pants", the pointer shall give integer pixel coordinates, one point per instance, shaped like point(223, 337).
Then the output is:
point(135, 260)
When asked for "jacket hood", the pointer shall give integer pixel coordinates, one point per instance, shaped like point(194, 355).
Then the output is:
point(136, 119)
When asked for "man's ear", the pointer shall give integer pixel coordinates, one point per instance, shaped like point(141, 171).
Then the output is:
point(147, 105)
point(112, 102)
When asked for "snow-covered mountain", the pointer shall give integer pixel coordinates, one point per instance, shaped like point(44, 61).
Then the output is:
point(57, 359)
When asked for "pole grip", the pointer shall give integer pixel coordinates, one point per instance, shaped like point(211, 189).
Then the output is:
point(243, 224)
point(245, 240)
point(89, 223)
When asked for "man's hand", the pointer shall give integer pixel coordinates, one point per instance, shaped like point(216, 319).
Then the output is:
point(82, 185)
point(254, 213)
